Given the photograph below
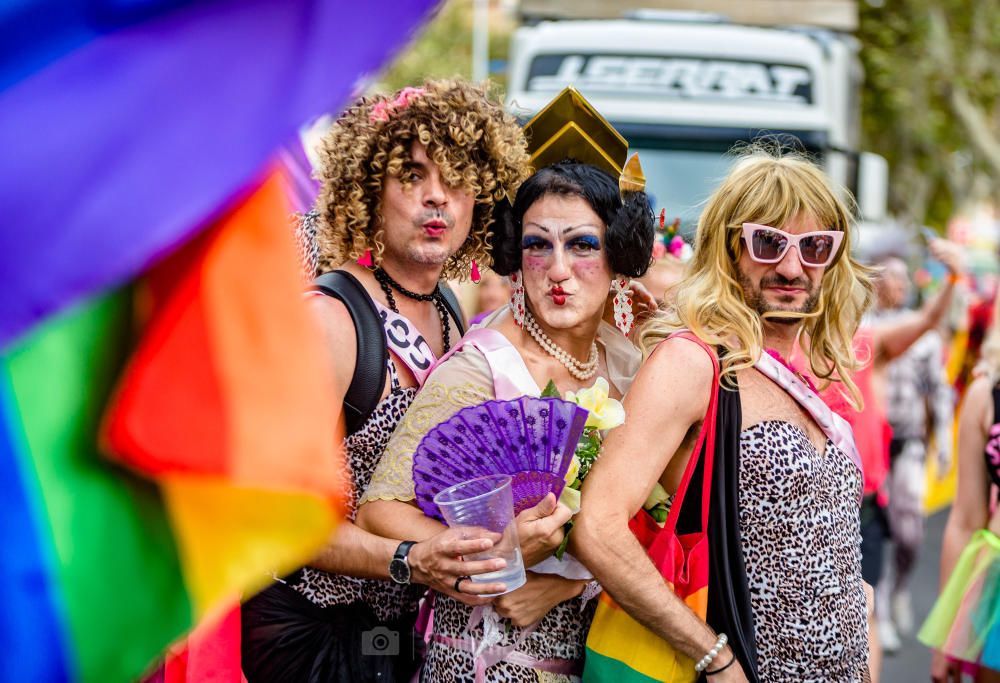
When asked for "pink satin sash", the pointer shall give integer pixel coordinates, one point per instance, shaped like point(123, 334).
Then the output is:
point(511, 378)
point(834, 426)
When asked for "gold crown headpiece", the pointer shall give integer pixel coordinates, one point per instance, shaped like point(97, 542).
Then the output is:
point(570, 127)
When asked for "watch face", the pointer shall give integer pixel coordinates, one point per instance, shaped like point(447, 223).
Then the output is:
point(399, 571)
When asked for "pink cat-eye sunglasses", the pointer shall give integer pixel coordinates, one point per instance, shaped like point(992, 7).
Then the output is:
point(769, 245)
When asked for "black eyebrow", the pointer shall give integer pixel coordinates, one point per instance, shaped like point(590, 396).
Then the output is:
point(565, 230)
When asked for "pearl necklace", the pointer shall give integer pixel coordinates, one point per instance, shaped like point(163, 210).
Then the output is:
point(581, 371)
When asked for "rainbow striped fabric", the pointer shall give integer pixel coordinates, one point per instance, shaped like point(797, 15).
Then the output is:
point(622, 650)
point(166, 433)
point(221, 440)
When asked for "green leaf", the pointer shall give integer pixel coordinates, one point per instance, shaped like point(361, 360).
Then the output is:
point(587, 450)
point(561, 550)
point(550, 391)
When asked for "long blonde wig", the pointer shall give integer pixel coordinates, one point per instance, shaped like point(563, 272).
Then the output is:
point(769, 187)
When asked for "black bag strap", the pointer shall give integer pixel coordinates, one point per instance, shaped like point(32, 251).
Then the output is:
point(454, 308)
point(372, 362)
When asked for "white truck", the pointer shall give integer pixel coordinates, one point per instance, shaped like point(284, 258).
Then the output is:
point(684, 88)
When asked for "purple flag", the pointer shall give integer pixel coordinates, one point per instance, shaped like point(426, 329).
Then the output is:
point(119, 149)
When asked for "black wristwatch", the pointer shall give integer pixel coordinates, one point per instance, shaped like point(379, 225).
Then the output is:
point(399, 568)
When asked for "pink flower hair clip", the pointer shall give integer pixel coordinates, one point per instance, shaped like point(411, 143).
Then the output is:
point(382, 110)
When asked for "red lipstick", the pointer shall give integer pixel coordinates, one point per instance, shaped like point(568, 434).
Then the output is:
point(558, 296)
point(435, 228)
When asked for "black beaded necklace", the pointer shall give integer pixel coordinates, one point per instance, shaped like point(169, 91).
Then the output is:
point(387, 284)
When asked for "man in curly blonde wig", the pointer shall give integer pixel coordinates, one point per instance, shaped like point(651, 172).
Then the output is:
point(475, 147)
point(772, 272)
point(409, 182)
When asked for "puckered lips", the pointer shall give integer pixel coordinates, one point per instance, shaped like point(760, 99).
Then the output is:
point(558, 296)
point(435, 227)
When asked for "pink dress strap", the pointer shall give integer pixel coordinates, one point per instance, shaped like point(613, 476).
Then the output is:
point(511, 378)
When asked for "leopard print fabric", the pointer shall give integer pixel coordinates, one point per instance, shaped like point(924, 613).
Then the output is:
point(801, 540)
point(364, 448)
point(562, 634)
point(305, 227)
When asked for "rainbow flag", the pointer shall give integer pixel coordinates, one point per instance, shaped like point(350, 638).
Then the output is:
point(166, 434)
point(225, 405)
point(622, 650)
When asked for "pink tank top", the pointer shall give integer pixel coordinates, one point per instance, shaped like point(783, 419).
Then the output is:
point(872, 432)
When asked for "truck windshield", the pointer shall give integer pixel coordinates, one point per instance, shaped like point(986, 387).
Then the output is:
point(681, 174)
point(680, 180)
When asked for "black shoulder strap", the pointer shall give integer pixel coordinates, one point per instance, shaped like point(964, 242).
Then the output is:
point(996, 404)
point(371, 365)
point(729, 609)
point(454, 309)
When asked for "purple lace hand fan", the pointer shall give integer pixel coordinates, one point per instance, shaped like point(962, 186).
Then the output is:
point(531, 439)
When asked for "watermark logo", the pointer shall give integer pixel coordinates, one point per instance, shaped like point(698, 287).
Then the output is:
point(380, 641)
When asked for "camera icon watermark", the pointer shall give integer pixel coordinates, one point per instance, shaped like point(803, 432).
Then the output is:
point(380, 641)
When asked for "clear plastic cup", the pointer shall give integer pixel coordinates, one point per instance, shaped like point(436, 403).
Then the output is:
point(486, 503)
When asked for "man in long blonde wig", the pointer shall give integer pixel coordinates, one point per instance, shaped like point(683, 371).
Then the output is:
point(771, 273)
point(728, 299)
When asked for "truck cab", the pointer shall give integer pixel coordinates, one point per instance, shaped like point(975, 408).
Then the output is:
point(684, 89)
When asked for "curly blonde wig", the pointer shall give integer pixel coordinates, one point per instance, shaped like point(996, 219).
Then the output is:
point(476, 145)
point(770, 187)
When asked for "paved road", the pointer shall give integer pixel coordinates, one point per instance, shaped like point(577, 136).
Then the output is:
point(912, 663)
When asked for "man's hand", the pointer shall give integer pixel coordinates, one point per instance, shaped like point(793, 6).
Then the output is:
point(532, 601)
point(438, 563)
point(644, 303)
point(948, 253)
point(539, 529)
point(943, 670)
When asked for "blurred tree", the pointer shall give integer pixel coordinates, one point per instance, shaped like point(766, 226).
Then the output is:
point(931, 101)
point(443, 47)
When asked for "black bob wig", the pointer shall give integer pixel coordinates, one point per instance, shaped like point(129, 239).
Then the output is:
point(628, 239)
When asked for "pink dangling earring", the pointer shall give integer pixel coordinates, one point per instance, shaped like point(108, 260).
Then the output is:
point(517, 297)
point(624, 318)
point(475, 272)
point(366, 260)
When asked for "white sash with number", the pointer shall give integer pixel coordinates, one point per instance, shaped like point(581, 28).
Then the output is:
point(407, 343)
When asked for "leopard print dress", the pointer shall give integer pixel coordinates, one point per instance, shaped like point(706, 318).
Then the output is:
point(802, 544)
point(560, 635)
point(363, 448)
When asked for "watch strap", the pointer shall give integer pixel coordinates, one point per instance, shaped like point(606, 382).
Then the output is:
point(403, 550)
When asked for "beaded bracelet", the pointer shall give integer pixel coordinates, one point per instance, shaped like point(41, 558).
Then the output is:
point(712, 654)
point(721, 668)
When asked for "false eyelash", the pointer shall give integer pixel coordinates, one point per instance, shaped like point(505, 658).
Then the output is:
point(531, 241)
point(589, 240)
